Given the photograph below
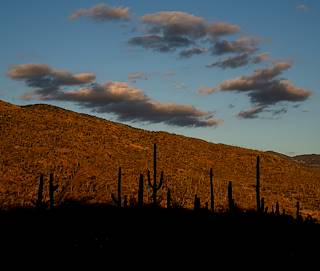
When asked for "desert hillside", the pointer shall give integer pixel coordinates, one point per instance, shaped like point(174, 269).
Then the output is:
point(84, 153)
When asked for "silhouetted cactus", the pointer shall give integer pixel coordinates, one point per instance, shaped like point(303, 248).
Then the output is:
point(277, 208)
point(197, 203)
point(140, 191)
point(262, 206)
point(132, 202)
point(230, 198)
point(118, 199)
point(258, 184)
point(211, 191)
point(155, 187)
point(39, 203)
point(168, 198)
point(125, 201)
point(298, 210)
point(52, 189)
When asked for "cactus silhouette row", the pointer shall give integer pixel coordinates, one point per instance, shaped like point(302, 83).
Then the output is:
point(156, 186)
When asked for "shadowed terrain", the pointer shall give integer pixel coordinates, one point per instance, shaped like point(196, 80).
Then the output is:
point(157, 236)
point(84, 153)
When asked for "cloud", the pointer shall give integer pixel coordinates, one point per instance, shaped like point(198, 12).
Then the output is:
point(251, 113)
point(280, 111)
point(47, 80)
point(264, 89)
point(222, 29)
point(241, 45)
point(179, 85)
point(102, 13)
point(127, 103)
point(239, 61)
point(231, 62)
point(206, 90)
point(260, 58)
point(133, 77)
point(131, 104)
point(166, 31)
point(160, 43)
point(175, 23)
point(303, 8)
point(187, 53)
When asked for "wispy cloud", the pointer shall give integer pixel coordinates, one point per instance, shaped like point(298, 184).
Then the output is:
point(187, 53)
point(160, 43)
point(251, 113)
point(127, 103)
point(133, 77)
point(179, 85)
point(239, 61)
point(303, 8)
point(222, 29)
point(206, 90)
point(102, 13)
point(231, 62)
point(241, 45)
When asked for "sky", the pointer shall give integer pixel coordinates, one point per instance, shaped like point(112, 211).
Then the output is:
point(243, 73)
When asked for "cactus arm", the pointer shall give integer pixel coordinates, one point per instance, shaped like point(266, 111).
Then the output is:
point(161, 181)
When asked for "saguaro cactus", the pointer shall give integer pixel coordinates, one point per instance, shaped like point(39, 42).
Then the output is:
point(277, 208)
point(118, 200)
point(168, 198)
point(211, 191)
point(52, 189)
point(155, 187)
point(230, 199)
point(197, 203)
point(258, 184)
point(39, 203)
point(140, 191)
point(298, 210)
point(262, 206)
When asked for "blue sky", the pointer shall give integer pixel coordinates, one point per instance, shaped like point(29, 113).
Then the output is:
point(278, 116)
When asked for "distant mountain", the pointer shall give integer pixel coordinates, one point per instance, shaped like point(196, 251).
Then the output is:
point(84, 153)
point(309, 159)
point(279, 154)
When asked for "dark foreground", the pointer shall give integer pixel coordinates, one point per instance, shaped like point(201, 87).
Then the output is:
point(159, 235)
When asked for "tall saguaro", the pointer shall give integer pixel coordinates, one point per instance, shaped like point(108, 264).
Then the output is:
point(118, 199)
point(211, 191)
point(258, 183)
point(155, 187)
point(52, 189)
point(39, 203)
